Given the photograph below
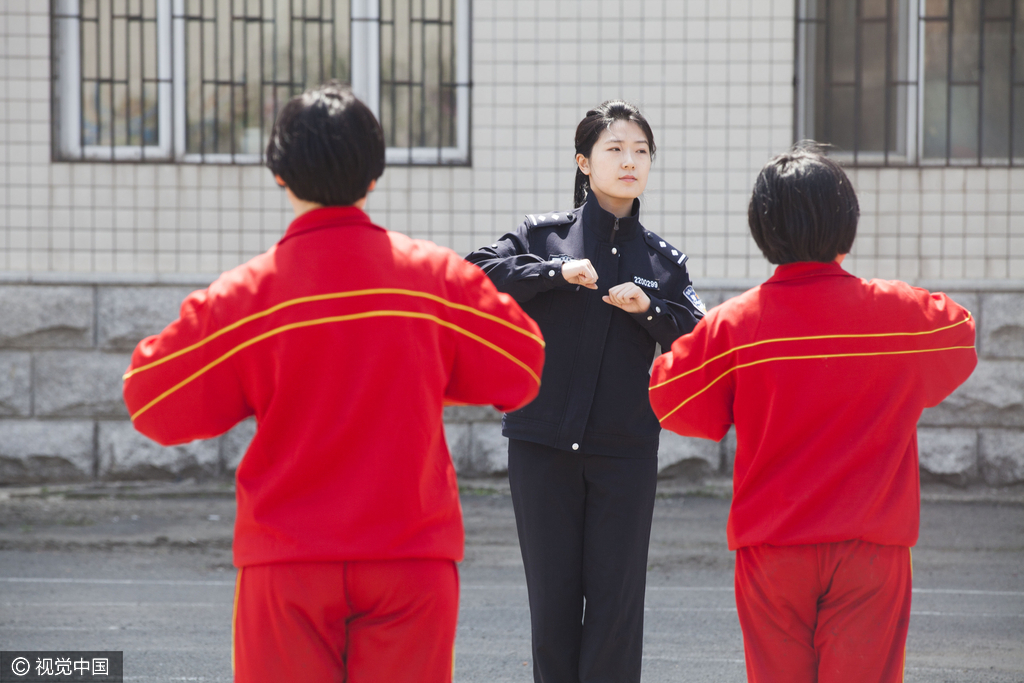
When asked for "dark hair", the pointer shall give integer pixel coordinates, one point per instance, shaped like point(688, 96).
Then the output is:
point(327, 146)
point(596, 122)
point(803, 207)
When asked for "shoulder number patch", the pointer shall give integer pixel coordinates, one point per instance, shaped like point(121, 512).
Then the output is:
point(694, 299)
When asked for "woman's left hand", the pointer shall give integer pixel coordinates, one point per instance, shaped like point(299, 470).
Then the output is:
point(628, 297)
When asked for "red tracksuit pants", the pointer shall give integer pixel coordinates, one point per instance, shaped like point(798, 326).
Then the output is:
point(346, 622)
point(824, 613)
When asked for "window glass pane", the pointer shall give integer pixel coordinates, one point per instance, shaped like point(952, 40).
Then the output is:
point(966, 55)
point(1018, 38)
point(842, 39)
point(995, 88)
point(873, 88)
point(936, 8)
point(998, 9)
point(936, 69)
point(964, 122)
point(1018, 125)
point(840, 112)
point(817, 123)
point(875, 9)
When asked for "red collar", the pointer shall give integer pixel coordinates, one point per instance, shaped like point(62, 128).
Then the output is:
point(805, 269)
point(327, 217)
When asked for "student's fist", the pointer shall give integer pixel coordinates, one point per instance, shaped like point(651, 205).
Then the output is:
point(628, 297)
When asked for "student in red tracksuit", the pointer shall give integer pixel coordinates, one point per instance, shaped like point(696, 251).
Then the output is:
point(345, 341)
point(825, 376)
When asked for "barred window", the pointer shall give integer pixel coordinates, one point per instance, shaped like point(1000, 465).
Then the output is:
point(201, 81)
point(913, 82)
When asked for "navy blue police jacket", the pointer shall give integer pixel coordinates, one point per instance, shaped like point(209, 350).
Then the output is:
point(593, 394)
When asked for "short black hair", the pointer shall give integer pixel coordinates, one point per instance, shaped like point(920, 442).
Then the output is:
point(327, 146)
point(803, 207)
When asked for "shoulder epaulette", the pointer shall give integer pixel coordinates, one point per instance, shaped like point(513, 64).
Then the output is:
point(664, 248)
point(546, 220)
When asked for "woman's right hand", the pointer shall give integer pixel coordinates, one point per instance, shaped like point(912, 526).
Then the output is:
point(580, 272)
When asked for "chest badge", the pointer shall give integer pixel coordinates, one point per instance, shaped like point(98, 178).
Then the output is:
point(646, 283)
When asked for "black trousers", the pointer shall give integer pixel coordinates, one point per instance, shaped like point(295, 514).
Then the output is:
point(584, 526)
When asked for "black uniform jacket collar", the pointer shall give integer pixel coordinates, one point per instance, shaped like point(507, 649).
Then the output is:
point(602, 224)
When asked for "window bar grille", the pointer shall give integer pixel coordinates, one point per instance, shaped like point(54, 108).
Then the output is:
point(423, 73)
point(858, 76)
point(233, 84)
point(113, 116)
point(133, 82)
point(453, 78)
point(201, 91)
point(890, 16)
point(81, 107)
point(273, 74)
point(829, 88)
point(861, 99)
point(420, 78)
point(981, 78)
point(1013, 81)
point(383, 22)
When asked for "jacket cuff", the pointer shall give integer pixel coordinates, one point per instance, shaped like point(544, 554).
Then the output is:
point(551, 272)
point(653, 315)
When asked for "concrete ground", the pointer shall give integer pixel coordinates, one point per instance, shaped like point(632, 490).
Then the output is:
point(146, 568)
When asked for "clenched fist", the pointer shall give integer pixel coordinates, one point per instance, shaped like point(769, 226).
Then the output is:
point(628, 297)
point(580, 272)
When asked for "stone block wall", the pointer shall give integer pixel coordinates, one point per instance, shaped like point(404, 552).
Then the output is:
point(64, 346)
point(63, 349)
point(977, 434)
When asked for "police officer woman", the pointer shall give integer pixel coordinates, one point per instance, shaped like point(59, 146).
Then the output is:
point(582, 457)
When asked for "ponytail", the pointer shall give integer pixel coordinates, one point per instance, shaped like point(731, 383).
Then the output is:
point(582, 188)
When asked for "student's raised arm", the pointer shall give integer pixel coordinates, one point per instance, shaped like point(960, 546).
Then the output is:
point(944, 370)
point(181, 384)
point(499, 352)
point(692, 386)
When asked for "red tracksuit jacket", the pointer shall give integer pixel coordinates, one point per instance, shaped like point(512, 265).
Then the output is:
point(825, 376)
point(345, 341)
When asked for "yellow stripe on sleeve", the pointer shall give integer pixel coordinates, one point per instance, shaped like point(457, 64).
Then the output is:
point(814, 338)
point(328, 297)
point(333, 319)
point(827, 355)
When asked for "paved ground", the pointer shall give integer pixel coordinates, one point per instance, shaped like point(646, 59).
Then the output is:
point(147, 570)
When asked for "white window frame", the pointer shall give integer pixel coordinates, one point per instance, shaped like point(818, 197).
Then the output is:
point(69, 90)
point(171, 70)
